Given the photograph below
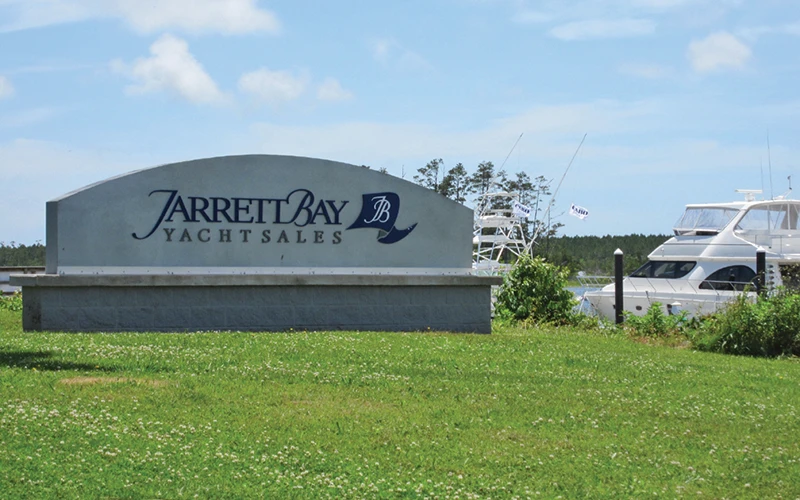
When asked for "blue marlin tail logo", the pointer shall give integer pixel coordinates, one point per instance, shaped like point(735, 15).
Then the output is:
point(379, 210)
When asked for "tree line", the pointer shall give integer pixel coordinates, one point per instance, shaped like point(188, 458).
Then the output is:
point(15, 254)
point(590, 254)
point(594, 255)
point(457, 183)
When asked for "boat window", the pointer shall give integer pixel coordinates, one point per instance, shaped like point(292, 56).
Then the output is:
point(770, 217)
point(730, 278)
point(663, 269)
point(704, 220)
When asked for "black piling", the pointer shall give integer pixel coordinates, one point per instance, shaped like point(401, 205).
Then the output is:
point(761, 271)
point(618, 306)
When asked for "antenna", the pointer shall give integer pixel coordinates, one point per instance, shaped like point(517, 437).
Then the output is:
point(749, 194)
point(553, 198)
point(761, 164)
point(769, 157)
point(788, 193)
point(512, 150)
point(486, 202)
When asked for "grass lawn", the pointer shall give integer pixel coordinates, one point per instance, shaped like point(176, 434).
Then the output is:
point(357, 414)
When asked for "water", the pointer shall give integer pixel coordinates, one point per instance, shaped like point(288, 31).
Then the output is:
point(584, 306)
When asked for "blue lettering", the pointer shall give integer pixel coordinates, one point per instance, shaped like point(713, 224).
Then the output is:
point(336, 211)
point(172, 195)
point(178, 206)
point(199, 210)
point(226, 204)
point(238, 210)
point(321, 210)
point(304, 206)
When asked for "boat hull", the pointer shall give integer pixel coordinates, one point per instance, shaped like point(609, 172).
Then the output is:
point(638, 302)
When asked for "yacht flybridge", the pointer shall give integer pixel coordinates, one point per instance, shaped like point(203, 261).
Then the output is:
point(498, 237)
point(712, 258)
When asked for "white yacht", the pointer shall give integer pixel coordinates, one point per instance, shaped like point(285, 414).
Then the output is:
point(712, 258)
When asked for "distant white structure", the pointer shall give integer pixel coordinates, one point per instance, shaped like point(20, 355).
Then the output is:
point(498, 236)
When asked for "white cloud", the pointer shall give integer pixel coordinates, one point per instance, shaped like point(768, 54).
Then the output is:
point(331, 90)
point(752, 34)
point(40, 171)
point(6, 89)
point(718, 51)
point(27, 117)
point(49, 68)
point(648, 71)
point(531, 17)
point(661, 4)
point(392, 54)
point(603, 28)
point(198, 16)
point(171, 68)
point(27, 14)
point(50, 164)
point(632, 17)
point(552, 132)
point(273, 87)
point(381, 49)
point(193, 16)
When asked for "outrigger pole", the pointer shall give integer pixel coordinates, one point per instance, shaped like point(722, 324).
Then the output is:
point(492, 181)
point(553, 198)
point(512, 150)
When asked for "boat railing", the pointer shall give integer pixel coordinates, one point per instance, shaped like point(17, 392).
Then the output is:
point(685, 286)
point(488, 267)
point(658, 284)
point(717, 292)
point(594, 282)
point(780, 241)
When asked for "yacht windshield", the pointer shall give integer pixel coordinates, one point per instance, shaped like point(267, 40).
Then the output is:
point(770, 217)
point(704, 220)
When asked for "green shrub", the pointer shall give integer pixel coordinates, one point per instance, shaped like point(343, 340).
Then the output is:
point(766, 327)
point(786, 338)
point(11, 303)
point(654, 323)
point(535, 290)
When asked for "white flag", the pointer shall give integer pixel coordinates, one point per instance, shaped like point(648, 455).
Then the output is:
point(578, 212)
point(520, 210)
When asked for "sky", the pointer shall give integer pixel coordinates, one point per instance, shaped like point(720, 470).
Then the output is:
point(680, 101)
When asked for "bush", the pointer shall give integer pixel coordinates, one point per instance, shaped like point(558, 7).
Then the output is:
point(786, 337)
point(535, 290)
point(767, 327)
point(11, 303)
point(655, 323)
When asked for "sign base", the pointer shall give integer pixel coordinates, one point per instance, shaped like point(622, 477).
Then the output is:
point(161, 303)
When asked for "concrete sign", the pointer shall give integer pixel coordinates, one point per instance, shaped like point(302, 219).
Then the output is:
point(256, 213)
point(257, 243)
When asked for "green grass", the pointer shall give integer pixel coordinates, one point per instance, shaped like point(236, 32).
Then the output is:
point(357, 414)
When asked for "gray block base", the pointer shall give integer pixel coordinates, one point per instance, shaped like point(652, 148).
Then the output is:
point(256, 302)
